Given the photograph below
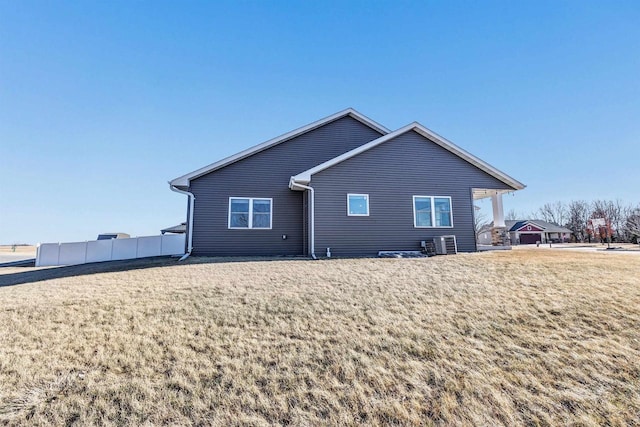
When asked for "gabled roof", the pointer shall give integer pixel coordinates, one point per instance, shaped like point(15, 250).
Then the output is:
point(547, 227)
point(183, 181)
point(515, 225)
point(305, 177)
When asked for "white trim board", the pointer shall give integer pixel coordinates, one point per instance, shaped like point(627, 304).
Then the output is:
point(305, 177)
point(183, 181)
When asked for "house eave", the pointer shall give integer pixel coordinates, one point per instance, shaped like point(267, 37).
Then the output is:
point(432, 136)
point(483, 193)
point(185, 179)
point(480, 164)
point(180, 183)
point(295, 182)
point(299, 179)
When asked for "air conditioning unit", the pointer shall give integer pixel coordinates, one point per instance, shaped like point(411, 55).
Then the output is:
point(446, 245)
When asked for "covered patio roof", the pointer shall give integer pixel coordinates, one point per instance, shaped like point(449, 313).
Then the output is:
point(483, 193)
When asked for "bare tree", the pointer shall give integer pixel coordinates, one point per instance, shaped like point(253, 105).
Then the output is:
point(577, 218)
point(618, 218)
point(632, 225)
point(612, 212)
point(599, 209)
point(512, 215)
point(479, 222)
point(554, 212)
point(621, 218)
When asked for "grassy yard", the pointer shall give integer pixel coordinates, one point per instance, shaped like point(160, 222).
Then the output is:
point(505, 338)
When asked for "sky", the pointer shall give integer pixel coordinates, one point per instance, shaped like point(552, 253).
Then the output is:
point(102, 103)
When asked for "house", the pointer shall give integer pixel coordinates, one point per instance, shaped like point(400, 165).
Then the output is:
point(176, 229)
point(108, 236)
point(343, 185)
point(526, 232)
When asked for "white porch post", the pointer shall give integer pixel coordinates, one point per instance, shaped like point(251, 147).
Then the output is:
point(499, 230)
point(498, 211)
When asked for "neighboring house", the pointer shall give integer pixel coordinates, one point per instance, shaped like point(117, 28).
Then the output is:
point(527, 232)
point(344, 182)
point(107, 236)
point(176, 229)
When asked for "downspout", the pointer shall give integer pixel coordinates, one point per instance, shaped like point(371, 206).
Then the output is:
point(192, 199)
point(312, 227)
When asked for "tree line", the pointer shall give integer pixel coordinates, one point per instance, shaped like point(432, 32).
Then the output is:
point(624, 218)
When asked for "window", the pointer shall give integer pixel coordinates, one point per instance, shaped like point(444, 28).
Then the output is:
point(430, 211)
point(246, 212)
point(442, 211)
point(422, 211)
point(357, 204)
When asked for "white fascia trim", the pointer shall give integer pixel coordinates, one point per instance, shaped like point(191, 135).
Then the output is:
point(305, 177)
point(184, 179)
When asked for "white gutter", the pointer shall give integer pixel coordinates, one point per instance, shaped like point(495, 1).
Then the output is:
point(192, 199)
point(312, 228)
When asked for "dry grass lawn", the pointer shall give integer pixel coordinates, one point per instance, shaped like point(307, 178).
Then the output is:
point(506, 338)
point(4, 249)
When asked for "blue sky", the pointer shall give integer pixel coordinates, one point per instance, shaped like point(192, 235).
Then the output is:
point(101, 103)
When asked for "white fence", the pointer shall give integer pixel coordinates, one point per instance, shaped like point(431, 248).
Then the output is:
point(109, 250)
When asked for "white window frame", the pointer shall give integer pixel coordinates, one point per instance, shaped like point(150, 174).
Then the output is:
point(250, 222)
point(433, 211)
point(366, 196)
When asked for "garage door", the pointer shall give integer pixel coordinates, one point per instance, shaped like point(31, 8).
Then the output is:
point(529, 238)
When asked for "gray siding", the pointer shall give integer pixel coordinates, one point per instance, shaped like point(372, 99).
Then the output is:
point(392, 173)
point(266, 174)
